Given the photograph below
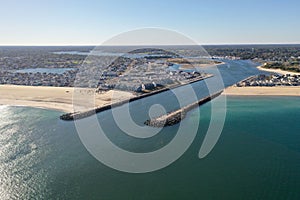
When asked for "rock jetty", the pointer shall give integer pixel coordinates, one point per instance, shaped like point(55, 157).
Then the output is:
point(84, 114)
point(176, 116)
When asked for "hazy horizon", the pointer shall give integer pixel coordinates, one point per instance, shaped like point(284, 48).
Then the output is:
point(94, 45)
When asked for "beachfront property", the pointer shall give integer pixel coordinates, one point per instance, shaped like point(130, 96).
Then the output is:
point(270, 80)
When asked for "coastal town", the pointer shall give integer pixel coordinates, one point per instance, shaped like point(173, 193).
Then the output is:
point(130, 76)
point(38, 79)
point(145, 75)
point(284, 57)
point(140, 74)
point(38, 66)
point(270, 81)
point(141, 70)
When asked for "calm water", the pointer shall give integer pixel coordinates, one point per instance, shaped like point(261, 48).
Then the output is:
point(257, 156)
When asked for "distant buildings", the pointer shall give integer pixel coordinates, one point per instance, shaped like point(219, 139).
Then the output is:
point(271, 80)
point(38, 79)
point(144, 76)
point(138, 74)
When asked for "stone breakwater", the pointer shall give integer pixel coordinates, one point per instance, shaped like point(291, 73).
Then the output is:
point(84, 114)
point(176, 116)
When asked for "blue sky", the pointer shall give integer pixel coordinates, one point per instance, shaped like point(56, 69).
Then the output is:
point(66, 22)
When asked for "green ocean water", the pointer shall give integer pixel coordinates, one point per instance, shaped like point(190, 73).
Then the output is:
point(256, 157)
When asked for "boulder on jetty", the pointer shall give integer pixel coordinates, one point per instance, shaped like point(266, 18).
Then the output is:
point(167, 120)
point(176, 116)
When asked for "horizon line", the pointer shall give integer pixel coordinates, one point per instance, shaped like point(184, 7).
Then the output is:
point(205, 44)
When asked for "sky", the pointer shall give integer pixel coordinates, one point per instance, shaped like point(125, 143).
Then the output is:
point(92, 22)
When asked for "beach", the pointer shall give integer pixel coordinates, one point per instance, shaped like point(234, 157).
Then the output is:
point(58, 98)
point(263, 91)
point(61, 98)
point(278, 71)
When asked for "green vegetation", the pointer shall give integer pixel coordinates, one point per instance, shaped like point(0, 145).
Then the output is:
point(287, 66)
point(284, 57)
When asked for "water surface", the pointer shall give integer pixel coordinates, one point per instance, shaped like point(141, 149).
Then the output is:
point(257, 157)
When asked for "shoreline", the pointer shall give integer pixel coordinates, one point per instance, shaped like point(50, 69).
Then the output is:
point(37, 97)
point(278, 71)
point(30, 104)
point(57, 98)
point(61, 98)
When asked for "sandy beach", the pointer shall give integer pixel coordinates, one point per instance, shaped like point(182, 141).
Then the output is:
point(263, 91)
point(58, 98)
point(278, 71)
point(62, 98)
point(69, 99)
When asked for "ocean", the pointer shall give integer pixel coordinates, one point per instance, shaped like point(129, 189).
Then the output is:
point(256, 157)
